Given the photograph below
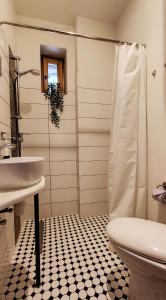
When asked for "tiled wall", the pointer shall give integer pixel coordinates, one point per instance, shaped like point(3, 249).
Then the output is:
point(6, 231)
point(95, 62)
point(58, 146)
point(76, 154)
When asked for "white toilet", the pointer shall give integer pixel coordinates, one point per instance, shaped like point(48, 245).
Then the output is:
point(141, 244)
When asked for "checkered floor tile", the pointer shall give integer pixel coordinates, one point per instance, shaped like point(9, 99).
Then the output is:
point(76, 263)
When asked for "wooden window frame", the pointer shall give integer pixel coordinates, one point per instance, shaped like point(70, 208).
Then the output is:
point(60, 67)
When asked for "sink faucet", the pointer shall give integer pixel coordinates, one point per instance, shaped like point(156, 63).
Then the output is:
point(8, 145)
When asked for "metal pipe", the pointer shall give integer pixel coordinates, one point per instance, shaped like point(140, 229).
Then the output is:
point(37, 239)
point(70, 33)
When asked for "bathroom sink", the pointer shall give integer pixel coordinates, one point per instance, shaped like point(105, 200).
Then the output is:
point(20, 172)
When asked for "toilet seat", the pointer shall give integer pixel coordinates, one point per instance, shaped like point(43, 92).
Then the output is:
point(143, 237)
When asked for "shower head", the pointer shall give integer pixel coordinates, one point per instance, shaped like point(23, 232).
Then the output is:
point(32, 71)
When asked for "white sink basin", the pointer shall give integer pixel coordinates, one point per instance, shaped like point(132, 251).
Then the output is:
point(20, 172)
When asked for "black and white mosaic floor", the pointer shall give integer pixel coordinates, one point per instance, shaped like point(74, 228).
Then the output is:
point(76, 263)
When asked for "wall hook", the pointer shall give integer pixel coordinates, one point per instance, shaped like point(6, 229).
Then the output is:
point(154, 73)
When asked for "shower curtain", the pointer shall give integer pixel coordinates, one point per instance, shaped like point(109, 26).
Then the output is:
point(127, 175)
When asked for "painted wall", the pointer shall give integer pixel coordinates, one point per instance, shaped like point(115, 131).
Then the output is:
point(57, 145)
point(95, 62)
point(143, 21)
point(6, 39)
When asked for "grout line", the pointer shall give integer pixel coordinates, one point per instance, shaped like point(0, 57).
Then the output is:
point(54, 203)
point(92, 175)
point(39, 89)
point(63, 188)
point(70, 188)
point(97, 118)
point(93, 189)
point(63, 174)
point(94, 202)
point(49, 142)
point(86, 88)
point(95, 103)
point(6, 79)
point(99, 132)
point(5, 124)
point(46, 133)
point(73, 160)
point(36, 118)
point(94, 146)
point(5, 100)
point(6, 56)
point(64, 201)
point(44, 104)
point(52, 147)
point(66, 160)
point(85, 161)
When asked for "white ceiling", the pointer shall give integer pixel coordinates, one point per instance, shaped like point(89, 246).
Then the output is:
point(65, 11)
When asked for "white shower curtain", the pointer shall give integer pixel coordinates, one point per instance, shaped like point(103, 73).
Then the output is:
point(127, 175)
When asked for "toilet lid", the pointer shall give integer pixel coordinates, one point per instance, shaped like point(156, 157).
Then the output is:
point(143, 237)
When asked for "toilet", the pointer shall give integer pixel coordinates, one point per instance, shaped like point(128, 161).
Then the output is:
point(141, 245)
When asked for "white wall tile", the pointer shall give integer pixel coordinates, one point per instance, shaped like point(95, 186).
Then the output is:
point(94, 111)
point(34, 125)
point(4, 64)
point(93, 153)
point(63, 181)
point(5, 128)
point(94, 209)
point(4, 112)
point(32, 96)
point(60, 209)
point(95, 64)
point(61, 168)
point(94, 125)
point(48, 182)
point(92, 168)
point(4, 90)
point(69, 98)
point(36, 140)
point(34, 111)
point(3, 42)
point(93, 182)
point(44, 198)
point(6, 233)
point(44, 152)
point(91, 196)
point(44, 212)
point(62, 154)
point(94, 139)
point(62, 195)
point(65, 126)
point(46, 168)
point(62, 140)
point(68, 113)
point(94, 96)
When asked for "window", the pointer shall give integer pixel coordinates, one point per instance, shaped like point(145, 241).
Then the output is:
point(52, 72)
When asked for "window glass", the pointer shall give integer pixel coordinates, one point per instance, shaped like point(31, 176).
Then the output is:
point(52, 73)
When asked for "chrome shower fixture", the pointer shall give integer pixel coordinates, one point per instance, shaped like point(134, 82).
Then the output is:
point(32, 71)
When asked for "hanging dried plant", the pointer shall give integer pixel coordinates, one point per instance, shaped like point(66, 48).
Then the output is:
point(55, 95)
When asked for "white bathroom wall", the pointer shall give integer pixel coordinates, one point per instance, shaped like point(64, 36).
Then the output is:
point(58, 146)
point(95, 62)
point(144, 21)
point(6, 38)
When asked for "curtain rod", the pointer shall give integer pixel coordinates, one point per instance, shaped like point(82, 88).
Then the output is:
point(68, 33)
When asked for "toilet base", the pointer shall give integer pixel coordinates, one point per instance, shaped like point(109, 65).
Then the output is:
point(146, 287)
